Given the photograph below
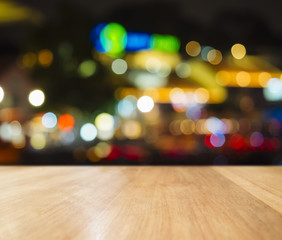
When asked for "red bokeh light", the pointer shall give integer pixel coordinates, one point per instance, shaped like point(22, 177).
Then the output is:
point(208, 141)
point(237, 141)
point(66, 122)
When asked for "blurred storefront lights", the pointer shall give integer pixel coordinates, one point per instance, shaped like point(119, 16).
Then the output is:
point(36, 98)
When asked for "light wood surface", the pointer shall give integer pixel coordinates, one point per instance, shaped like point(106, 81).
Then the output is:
point(45, 203)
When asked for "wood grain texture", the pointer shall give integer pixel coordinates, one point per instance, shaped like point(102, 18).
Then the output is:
point(140, 203)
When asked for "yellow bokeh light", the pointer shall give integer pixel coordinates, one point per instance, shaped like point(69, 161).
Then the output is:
point(222, 78)
point(238, 51)
point(263, 78)
point(202, 95)
point(193, 48)
point(38, 141)
point(102, 149)
point(187, 127)
point(243, 79)
point(29, 60)
point(104, 122)
point(214, 57)
point(91, 155)
point(45, 57)
point(132, 129)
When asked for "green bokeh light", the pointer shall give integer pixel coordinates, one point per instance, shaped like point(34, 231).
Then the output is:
point(87, 68)
point(113, 38)
point(165, 43)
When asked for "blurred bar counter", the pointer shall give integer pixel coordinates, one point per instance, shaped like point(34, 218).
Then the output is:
point(141, 203)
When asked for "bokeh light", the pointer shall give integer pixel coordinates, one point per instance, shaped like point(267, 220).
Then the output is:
point(105, 122)
point(1, 94)
point(49, 120)
point(66, 122)
point(119, 66)
point(264, 78)
point(202, 95)
point(215, 125)
point(29, 60)
point(187, 127)
point(126, 106)
point(67, 137)
point(273, 90)
point(113, 38)
point(36, 98)
point(243, 78)
point(238, 51)
point(223, 77)
point(87, 68)
point(88, 132)
point(45, 57)
point(102, 149)
point(236, 141)
point(193, 112)
point(193, 48)
point(145, 104)
point(153, 65)
point(256, 139)
point(214, 57)
point(38, 141)
point(106, 135)
point(205, 51)
point(183, 70)
point(208, 141)
point(178, 99)
point(131, 129)
point(217, 140)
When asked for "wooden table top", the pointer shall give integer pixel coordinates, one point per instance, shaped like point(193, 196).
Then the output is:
point(46, 203)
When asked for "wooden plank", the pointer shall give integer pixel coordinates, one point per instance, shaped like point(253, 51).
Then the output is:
point(265, 183)
point(138, 203)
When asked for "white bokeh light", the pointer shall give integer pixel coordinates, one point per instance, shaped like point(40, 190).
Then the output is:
point(1, 94)
point(88, 132)
point(36, 98)
point(145, 104)
point(49, 120)
point(119, 66)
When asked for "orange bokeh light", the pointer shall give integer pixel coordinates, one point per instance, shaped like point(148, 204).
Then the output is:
point(66, 122)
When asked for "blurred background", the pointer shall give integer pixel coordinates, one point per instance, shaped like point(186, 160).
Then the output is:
point(140, 82)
